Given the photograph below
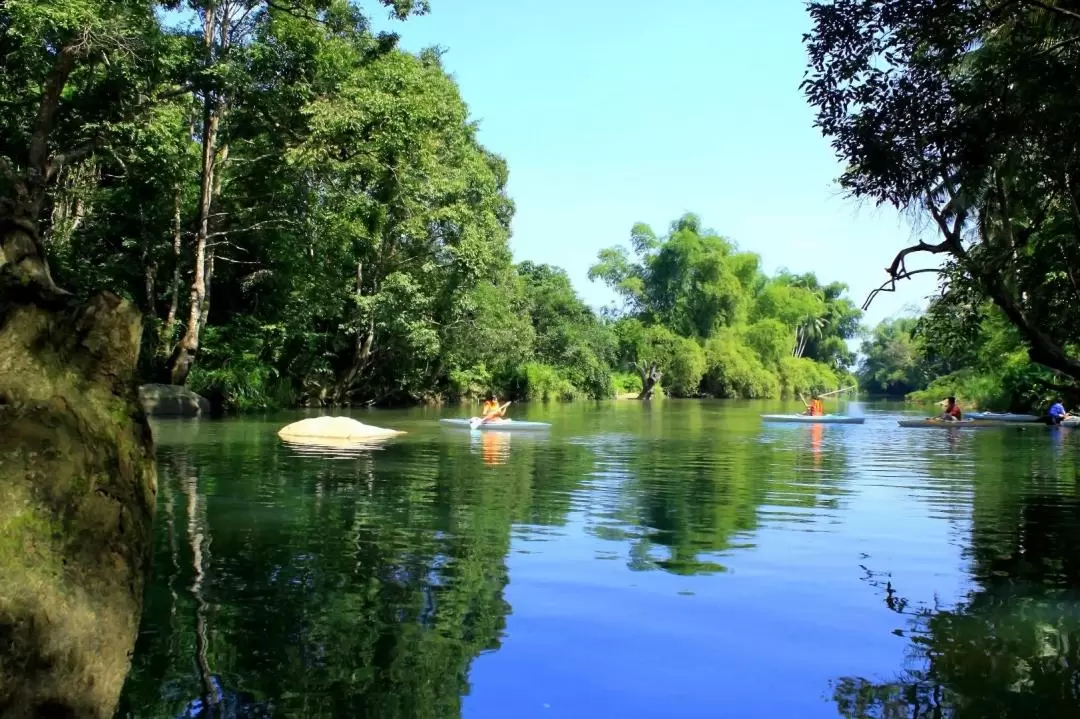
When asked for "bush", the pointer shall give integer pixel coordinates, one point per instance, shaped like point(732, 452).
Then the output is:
point(684, 369)
point(800, 375)
point(626, 382)
point(1016, 385)
point(535, 381)
point(734, 370)
point(469, 383)
point(589, 375)
point(233, 373)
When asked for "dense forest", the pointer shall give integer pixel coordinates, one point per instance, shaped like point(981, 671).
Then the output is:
point(303, 214)
point(963, 115)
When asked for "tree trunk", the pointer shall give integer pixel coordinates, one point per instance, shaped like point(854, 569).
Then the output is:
point(649, 379)
point(365, 343)
point(215, 30)
point(78, 484)
point(184, 354)
point(168, 331)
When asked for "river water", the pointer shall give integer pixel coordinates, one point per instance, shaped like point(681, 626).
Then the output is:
point(673, 559)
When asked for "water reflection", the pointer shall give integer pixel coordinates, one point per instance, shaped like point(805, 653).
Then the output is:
point(1011, 646)
point(662, 556)
point(336, 589)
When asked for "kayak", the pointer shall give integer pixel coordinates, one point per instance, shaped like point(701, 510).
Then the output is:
point(1002, 416)
point(504, 424)
point(820, 419)
point(980, 423)
point(961, 424)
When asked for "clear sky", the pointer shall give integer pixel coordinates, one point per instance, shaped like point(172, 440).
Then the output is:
point(611, 113)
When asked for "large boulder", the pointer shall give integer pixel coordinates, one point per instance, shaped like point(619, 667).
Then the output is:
point(170, 400)
point(333, 430)
point(77, 496)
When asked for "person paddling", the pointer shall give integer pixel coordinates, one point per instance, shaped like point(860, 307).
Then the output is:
point(1057, 413)
point(492, 411)
point(816, 408)
point(952, 411)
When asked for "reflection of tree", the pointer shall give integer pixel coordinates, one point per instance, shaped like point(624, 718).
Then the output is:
point(1011, 648)
point(356, 587)
point(697, 490)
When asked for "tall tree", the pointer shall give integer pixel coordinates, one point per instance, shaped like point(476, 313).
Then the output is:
point(965, 111)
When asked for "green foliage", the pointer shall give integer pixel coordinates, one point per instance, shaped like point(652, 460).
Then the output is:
point(803, 376)
point(733, 370)
point(966, 112)
point(626, 382)
point(540, 382)
point(704, 314)
point(892, 361)
point(971, 352)
point(771, 340)
point(357, 236)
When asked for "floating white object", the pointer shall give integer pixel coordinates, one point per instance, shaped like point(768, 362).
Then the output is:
point(333, 428)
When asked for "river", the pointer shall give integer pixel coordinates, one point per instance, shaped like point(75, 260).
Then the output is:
point(672, 559)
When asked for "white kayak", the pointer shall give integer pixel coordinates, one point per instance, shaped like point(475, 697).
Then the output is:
point(1002, 416)
point(505, 424)
point(807, 419)
point(958, 424)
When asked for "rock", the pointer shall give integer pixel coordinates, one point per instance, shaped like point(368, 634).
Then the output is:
point(333, 429)
point(170, 400)
point(77, 497)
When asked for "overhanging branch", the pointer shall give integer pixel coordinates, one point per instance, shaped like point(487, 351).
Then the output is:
point(1055, 9)
point(890, 284)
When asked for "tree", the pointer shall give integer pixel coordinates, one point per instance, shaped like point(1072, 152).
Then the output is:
point(692, 281)
point(891, 363)
point(964, 111)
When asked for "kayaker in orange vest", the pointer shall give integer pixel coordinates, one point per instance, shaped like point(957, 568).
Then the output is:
point(492, 411)
point(816, 408)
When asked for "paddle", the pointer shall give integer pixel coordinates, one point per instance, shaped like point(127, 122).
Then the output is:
point(836, 391)
point(475, 422)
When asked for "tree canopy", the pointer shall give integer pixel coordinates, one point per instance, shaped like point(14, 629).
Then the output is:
point(964, 113)
point(701, 311)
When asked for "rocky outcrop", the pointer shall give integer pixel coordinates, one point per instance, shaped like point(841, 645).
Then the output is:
point(77, 493)
point(333, 430)
point(170, 400)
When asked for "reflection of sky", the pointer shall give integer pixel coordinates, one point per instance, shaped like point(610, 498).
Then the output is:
point(589, 637)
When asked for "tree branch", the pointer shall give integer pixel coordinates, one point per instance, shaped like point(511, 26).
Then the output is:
point(898, 269)
point(1055, 9)
point(54, 164)
point(890, 284)
point(58, 161)
point(37, 156)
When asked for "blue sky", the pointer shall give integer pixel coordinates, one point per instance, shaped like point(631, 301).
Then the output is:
point(610, 113)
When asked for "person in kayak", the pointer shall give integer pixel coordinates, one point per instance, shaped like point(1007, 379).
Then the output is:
point(816, 408)
point(492, 411)
point(1057, 413)
point(952, 411)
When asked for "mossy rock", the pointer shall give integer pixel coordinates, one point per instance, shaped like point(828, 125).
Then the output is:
point(170, 400)
point(77, 495)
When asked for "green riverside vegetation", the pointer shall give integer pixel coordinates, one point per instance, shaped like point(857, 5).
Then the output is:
point(304, 215)
point(964, 115)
